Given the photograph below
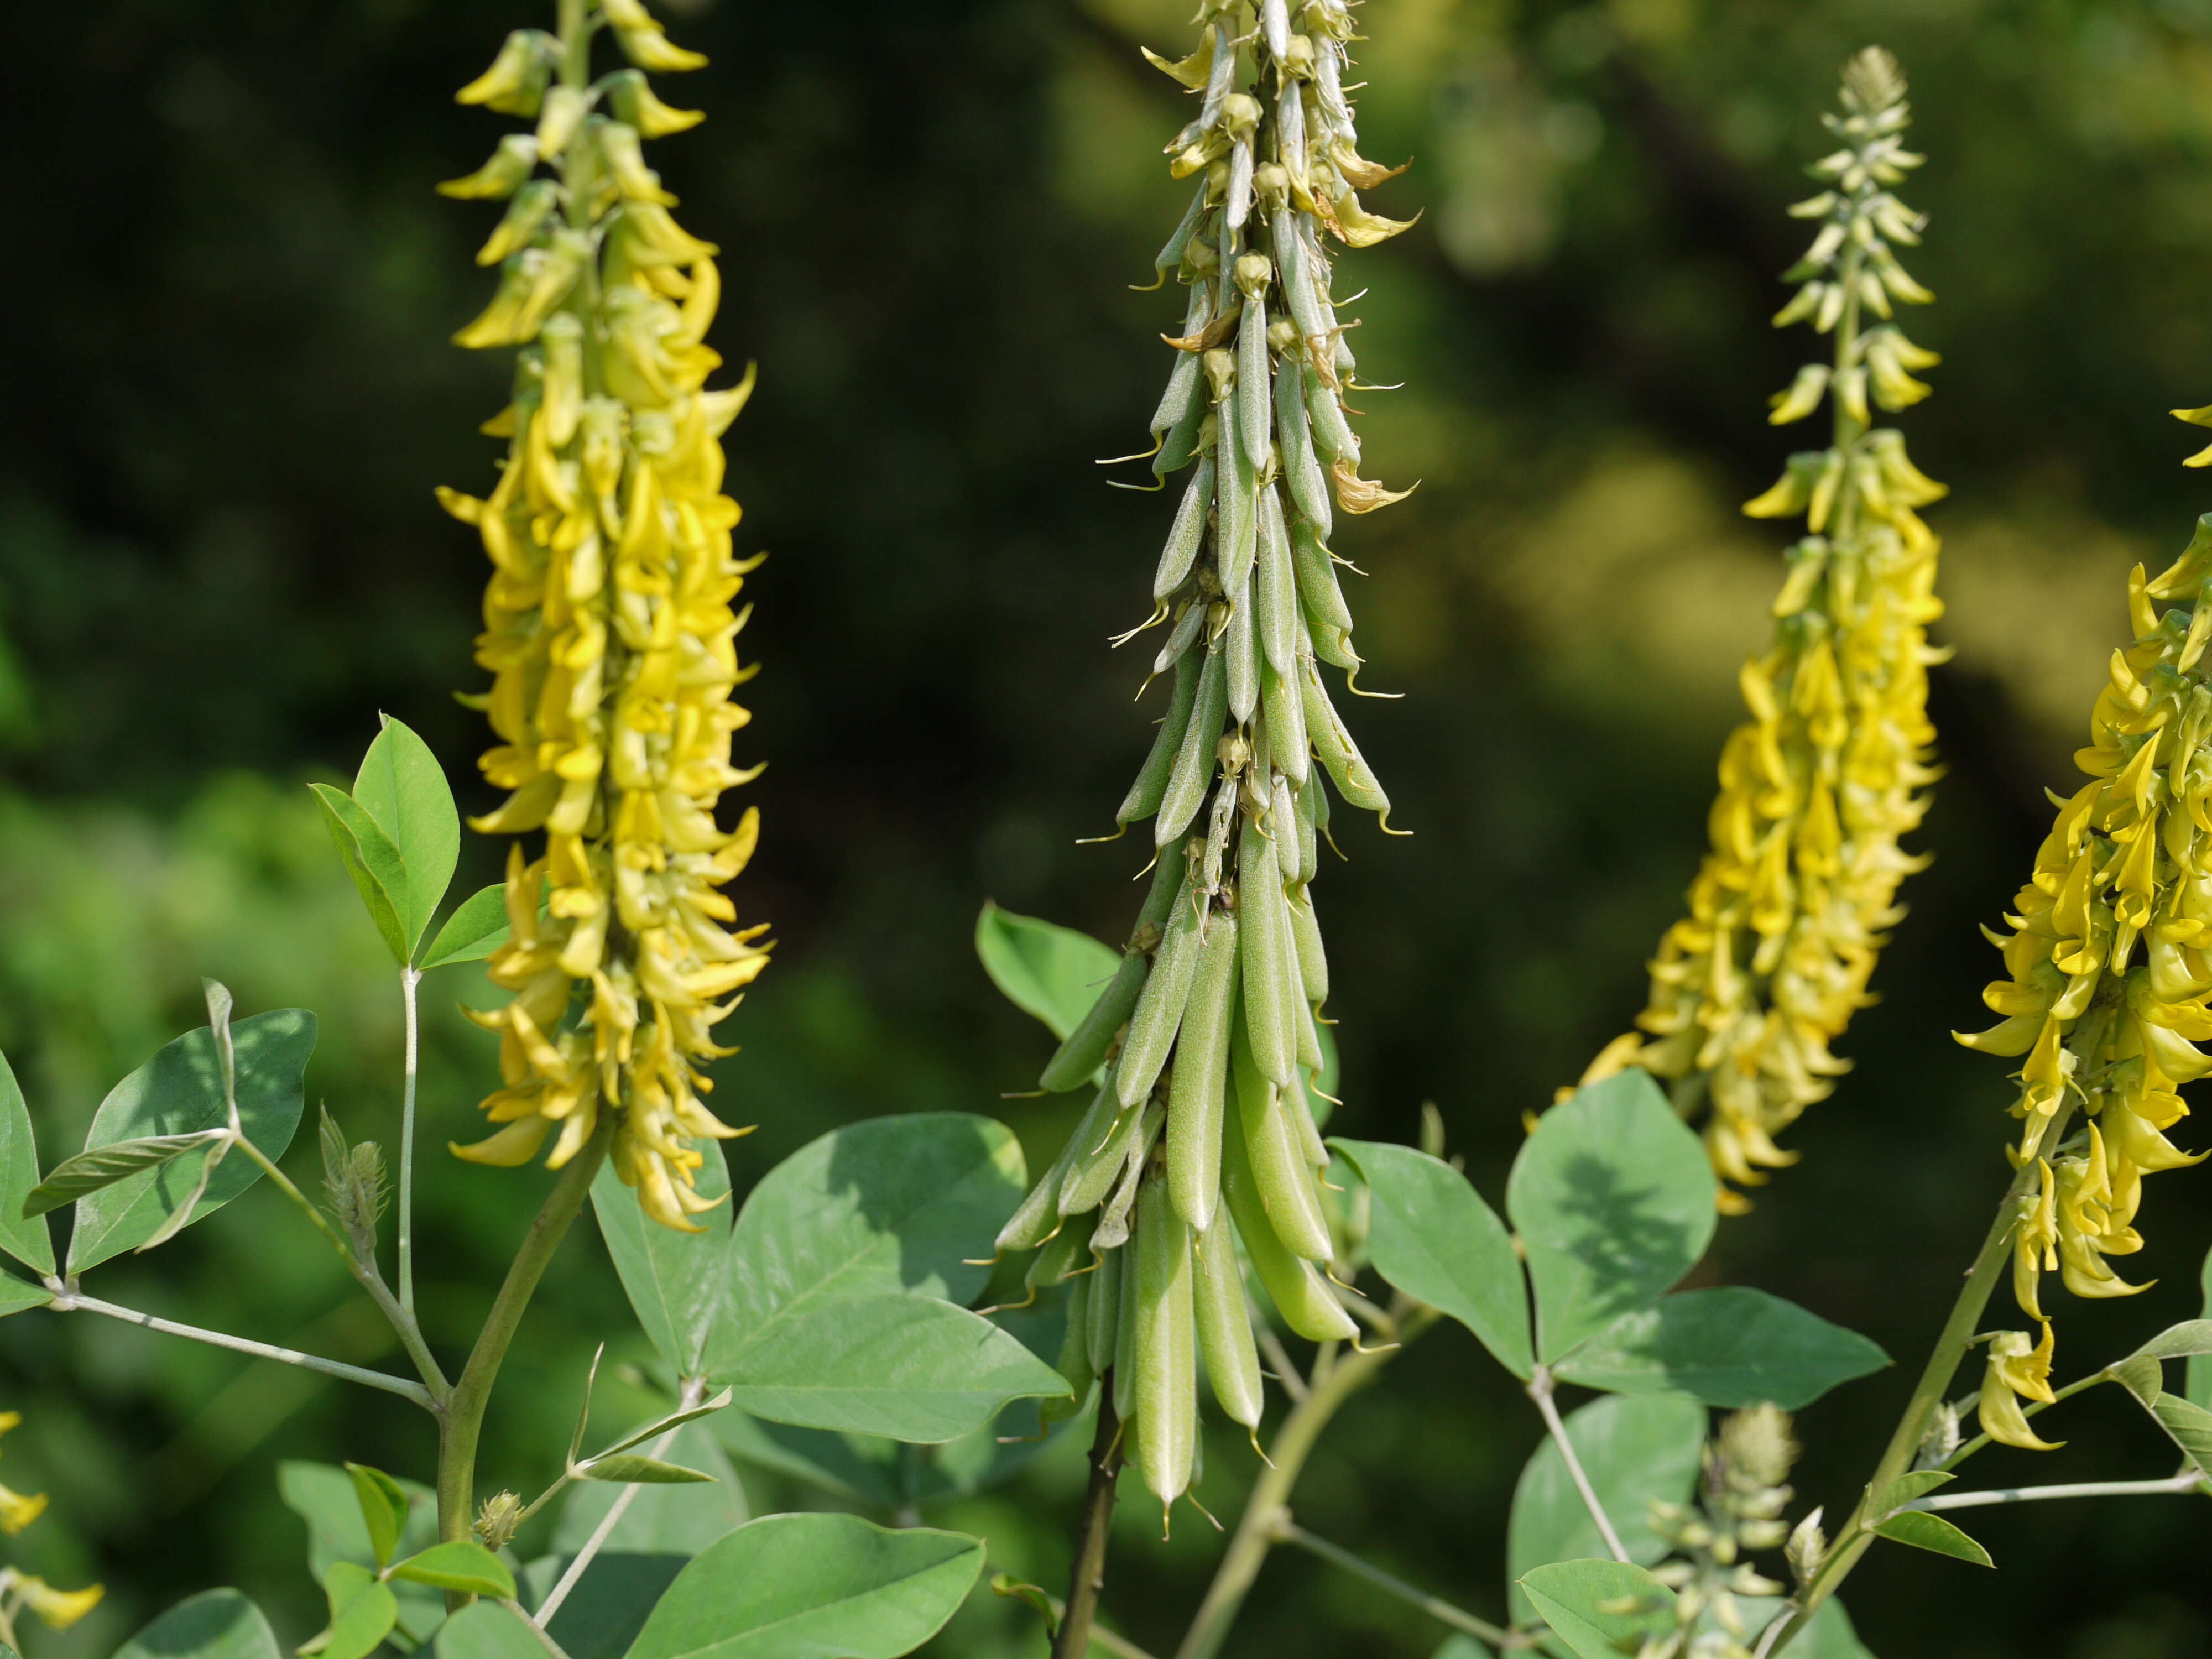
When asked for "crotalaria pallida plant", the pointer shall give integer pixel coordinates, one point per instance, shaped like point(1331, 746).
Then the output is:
point(609, 630)
point(1200, 1134)
point(1791, 905)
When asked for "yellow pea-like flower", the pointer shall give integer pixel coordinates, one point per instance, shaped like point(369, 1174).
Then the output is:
point(1793, 902)
point(2017, 1369)
point(609, 632)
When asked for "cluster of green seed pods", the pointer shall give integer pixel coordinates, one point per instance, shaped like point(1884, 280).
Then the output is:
point(1205, 1042)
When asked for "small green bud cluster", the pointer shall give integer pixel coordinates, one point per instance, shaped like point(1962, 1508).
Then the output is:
point(497, 1519)
point(1743, 1494)
point(356, 1186)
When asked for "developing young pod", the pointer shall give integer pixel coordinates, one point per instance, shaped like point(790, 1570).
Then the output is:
point(1792, 905)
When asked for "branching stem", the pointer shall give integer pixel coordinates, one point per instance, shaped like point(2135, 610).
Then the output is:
point(2189, 1480)
point(1539, 1390)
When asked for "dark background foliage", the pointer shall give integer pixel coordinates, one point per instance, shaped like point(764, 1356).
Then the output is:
point(222, 325)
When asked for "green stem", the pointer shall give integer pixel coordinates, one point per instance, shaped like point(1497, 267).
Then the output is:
point(1087, 1576)
point(2191, 1480)
point(408, 979)
point(1539, 1390)
point(461, 1424)
point(1443, 1611)
point(1267, 1509)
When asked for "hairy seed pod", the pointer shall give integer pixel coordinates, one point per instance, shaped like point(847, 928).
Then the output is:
point(1318, 588)
point(1355, 780)
point(1037, 1217)
point(1064, 1254)
point(1102, 1313)
point(1083, 1051)
point(1303, 797)
point(1298, 291)
point(1265, 945)
point(1189, 623)
point(1224, 1326)
point(1283, 707)
point(1125, 1346)
point(1332, 435)
point(1236, 528)
point(1145, 794)
point(1193, 762)
point(1309, 488)
point(1299, 1293)
point(1281, 1178)
point(1275, 598)
point(1254, 383)
point(1159, 1005)
point(1201, 1078)
point(1184, 440)
point(1166, 1346)
point(1308, 1029)
point(1184, 535)
point(1074, 1362)
point(1299, 1110)
point(1113, 1218)
point(1100, 1162)
point(1242, 650)
point(1312, 958)
point(1171, 253)
point(1283, 827)
point(1168, 873)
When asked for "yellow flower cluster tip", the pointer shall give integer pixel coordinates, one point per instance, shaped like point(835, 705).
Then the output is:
point(21, 1591)
point(1792, 904)
point(2110, 957)
point(609, 626)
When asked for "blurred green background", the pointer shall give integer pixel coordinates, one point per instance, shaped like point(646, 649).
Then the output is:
point(228, 393)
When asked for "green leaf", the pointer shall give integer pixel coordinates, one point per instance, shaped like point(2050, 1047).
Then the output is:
point(677, 1520)
point(809, 1586)
point(1924, 1531)
point(460, 1563)
point(29, 1240)
point(2190, 1425)
point(1909, 1488)
point(323, 1497)
point(1636, 1452)
point(378, 873)
point(610, 1603)
point(630, 1469)
point(472, 933)
point(216, 1623)
point(661, 1425)
point(1613, 1198)
point(892, 1204)
point(859, 1468)
point(363, 1612)
point(1732, 1346)
point(1461, 1645)
point(1432, 1235)
point(675, 1281)
point(1829, 1635)
point(1052, 972)
point(2198, 1387)
point(1574, 1598)
point(403, 787)
point(383, 1509)
point(2191, 1338)
point(907, 1367)
point(485, 1630)
point(2142, 1378)
point(103, 1166)
point(180, 1092)
point(17, 1294)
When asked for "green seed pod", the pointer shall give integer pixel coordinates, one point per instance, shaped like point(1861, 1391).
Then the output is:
point(1255, 383)
point(1265, 946)
point(1224, 1326)
point(1283, 828)
point(1184, 439)
point(1113, 1218)
point(1144, 797)
point(1317, 584)
point(1312, 958)
point(1066, 1254)
point(1308, 1029)
point(1038, 1216)
point(1171, 253)
point(1275, 596)
point(1299, 1293)
point(1194, 760)
point(1189, 623)
point(1083, 1051)
point(1125, 1347)
point(1159, 1007)
point(1201, 1078)
point(1332, 435)
point(1355, 780)
point(1299, 1110)
point(1334, 646)
point(1292, 263)
point(1168, 874)
point(1185, 534)
point(1283, 706)
point(1181, 401)
point(1102, 1313)
point(1165, 1349)
point(1309, 488)
point(1237, 525)
point(1312, 811)
point(1281, 1178)
point(1243, 652)
point(1099, 1162)
point(1074, 1362)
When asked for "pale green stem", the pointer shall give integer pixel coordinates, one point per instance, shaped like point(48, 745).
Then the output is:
point(694, 1392)
point(408, 979)
point(67, 1301)
point(1442, 1611)
point(1539, 1390)
point(552, 1648)
point(2189, 1480)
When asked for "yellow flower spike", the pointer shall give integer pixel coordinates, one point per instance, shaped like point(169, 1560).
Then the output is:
point(1788, 914)
point(609, 633)
point(2016, 1368)
point(58, 1609)
point(18, 1511)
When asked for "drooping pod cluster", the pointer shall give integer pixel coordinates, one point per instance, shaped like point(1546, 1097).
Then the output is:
point(609, 627)
point(2110, 965)
point(1200, 1133)
point(1791, 905)
point(21, 1592)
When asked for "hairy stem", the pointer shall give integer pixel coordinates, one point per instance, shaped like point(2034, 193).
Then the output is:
point(1268, 1507)
point(67, 1301)
point(1088, 1576)
point(461, 1424)
point(2189, 1480)
point(1539, 1390)
point(408, 979)
point(1443, 1611)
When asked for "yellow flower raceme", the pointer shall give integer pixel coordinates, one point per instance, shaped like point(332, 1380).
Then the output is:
point(18, 1590)
point(2017, 1370)
point(1792, 904)
point(609, 629)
